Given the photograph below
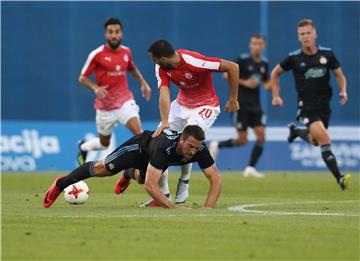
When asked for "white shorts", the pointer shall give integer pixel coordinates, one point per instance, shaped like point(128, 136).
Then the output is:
point(181, 116)
point(107, 120)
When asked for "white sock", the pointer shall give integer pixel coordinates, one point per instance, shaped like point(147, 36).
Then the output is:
point(93, 144)
point(186, 171)
point(163, 182)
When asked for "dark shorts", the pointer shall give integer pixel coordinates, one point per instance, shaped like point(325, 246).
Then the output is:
point(126, 156)
point(309, 116)
point(246, 118)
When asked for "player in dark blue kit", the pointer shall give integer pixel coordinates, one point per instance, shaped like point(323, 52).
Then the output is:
point(145, 159)
point(311, 66)
point(253, 74)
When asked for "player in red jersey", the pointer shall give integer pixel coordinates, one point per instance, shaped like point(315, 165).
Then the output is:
point(196, 103)
point(114, 101)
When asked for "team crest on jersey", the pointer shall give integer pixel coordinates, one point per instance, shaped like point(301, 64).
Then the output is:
point(250, 68)
point(323, 60)
point(182, 83)
point(302, 64)
point(126, 58)
point(188, 75)
point(118, 67)
point(262, 69)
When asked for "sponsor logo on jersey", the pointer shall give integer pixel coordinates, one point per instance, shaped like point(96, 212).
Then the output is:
point(188, 75)
point(302, 64)
point(250, 68)
point(315, 73)
point(323, 60)
point(262, 69)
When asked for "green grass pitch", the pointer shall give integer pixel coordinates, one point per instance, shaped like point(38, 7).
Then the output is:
point(314, 220)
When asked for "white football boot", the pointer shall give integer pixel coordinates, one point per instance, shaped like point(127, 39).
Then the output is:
point(182, 192)
point(252, 172)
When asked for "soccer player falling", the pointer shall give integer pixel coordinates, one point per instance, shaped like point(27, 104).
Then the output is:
point(311, 67)
point(253, 73)
point(145, 158)
point(114, 101)
point(196, 103)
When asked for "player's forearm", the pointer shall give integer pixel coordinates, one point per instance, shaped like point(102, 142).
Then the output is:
point(214, 192)
point(155, 192)
point(275, 87)
point(233, 78)
point(88, 83)
point(341, 80)
point(164, 107)
point(135, 73)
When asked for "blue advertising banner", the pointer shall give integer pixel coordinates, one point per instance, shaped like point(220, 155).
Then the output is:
point(52, 146)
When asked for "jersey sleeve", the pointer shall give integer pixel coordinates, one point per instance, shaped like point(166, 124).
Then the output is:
point(201, 63)
point(158, 157)
point(204, 158)
point(333, 61)
point(161, 76)
point(286, 64)
point(89, 65)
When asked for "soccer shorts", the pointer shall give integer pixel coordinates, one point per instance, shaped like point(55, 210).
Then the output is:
point(307, 117)
point(128, 155)
point(203, 116)
point(107, 120)
point(246, 118)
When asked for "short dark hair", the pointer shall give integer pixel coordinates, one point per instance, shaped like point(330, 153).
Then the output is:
point(194, 131)
point(258, 36)
point(113, 20)
point(161, 48)
point(305, 22)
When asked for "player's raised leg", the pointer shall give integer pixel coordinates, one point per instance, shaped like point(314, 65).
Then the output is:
point(87, 170)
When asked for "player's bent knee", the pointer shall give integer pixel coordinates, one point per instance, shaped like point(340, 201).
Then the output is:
point(241, 141)
point(100, 170)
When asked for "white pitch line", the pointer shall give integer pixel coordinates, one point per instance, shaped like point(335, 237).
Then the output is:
point(244, 208)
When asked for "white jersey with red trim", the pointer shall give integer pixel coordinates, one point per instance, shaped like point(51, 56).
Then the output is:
point(110, 69)
point(193, 77)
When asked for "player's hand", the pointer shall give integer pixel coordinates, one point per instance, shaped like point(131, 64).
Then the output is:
point(101, 91)
point(160, 129)
point(277, 101)
point(251, 83)
point(232, 105)
point(145, 91)
point(343, 98)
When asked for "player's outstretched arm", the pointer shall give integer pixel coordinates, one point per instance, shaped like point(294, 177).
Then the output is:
point(275, 87)
point(145, 88)
point(212, 173)
point(152, 186)
point(100, 91)
point(341, 80)
point(232, 70)
point(164, 108)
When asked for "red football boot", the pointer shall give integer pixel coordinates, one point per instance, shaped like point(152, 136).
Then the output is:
point(121, 185)
point(52, 193)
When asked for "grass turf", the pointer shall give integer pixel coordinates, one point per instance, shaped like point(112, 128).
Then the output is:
point(110, 227)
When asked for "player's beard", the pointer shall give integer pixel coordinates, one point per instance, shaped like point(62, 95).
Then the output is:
point(114, 46)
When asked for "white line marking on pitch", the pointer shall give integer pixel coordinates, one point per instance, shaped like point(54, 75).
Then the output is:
point(245, 208)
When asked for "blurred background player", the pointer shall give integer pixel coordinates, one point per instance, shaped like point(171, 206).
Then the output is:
point(311, 67)
point(150, 157)
point(196, 103)
point(253, 73)
point(114, 101)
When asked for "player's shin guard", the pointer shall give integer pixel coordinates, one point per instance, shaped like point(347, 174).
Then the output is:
point(163, 182)
point(80, 173)
point(303, 134)
point(256, 153)
point(227, 143)
point(330, 161)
